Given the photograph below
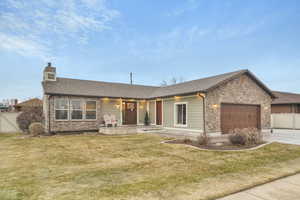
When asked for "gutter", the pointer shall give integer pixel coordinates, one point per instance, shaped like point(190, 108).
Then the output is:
point(49, 116)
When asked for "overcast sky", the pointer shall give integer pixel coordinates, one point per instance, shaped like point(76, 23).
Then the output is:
point(155, 39)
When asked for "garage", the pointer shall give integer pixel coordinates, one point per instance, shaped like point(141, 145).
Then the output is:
point(239, 116)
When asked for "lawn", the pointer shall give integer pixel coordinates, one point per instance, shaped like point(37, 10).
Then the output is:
point(89, 167)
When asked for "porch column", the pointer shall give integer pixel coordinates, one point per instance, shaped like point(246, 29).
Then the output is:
point(121, 112)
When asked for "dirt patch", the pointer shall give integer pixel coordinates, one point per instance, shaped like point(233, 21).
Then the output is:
point(218, 146)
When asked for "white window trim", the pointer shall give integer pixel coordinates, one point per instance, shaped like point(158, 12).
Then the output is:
point(137, 112)
point(68, 109)
point(175, 114)
point(90, 110)
point(82, 109)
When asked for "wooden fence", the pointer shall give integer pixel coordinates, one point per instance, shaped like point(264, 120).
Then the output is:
point(287, 121)
point(8, 122)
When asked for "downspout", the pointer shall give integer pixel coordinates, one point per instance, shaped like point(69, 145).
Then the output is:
point(204, 127)
point(49, 119)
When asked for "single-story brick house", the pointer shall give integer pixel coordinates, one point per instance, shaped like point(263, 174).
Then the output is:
point(215, 104)
point(286, 102)
point(35, 102)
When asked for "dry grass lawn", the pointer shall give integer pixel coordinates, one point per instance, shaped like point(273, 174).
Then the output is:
point(94, 167)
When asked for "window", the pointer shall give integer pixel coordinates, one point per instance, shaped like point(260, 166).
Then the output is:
point(180, 114)
point(76, 109)
point(61, 109)
point(91, 110)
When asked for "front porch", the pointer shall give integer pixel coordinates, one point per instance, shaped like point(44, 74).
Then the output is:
point(159, 130)
point(130, 129)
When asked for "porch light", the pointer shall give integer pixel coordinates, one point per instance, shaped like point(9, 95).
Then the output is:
point(141, 106)
point(117, 106)
point(201, 94)
point(105, 99)
point(215, 106)
point(177, 97)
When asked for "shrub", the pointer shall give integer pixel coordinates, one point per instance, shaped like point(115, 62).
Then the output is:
point(203, 139)
point(28, 116)
point(186, 141)
point(238, 138)
point(36, 129)
point(254, 136)
point(246, 136)
point(147, 119)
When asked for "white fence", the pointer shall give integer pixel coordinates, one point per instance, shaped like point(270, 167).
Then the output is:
point(288, 121)
point(8, 122)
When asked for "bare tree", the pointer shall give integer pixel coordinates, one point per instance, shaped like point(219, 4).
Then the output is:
point(181, 79)
point(163, 83)
point(172, 81)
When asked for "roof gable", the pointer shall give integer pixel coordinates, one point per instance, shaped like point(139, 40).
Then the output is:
point(250, 75)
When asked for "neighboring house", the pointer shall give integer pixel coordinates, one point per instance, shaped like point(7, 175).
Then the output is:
point(35, 102)
point(286, 102)
point(214, 104)
point(286, 110)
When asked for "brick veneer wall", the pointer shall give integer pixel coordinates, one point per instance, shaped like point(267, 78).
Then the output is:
point(242, 90)
point(70, 125)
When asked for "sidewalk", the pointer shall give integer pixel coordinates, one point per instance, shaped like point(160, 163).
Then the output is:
point(283, 189)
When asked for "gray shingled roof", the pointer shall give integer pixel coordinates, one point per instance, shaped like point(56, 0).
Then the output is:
point(65, 86)
point(199, 85)
point(286, 98)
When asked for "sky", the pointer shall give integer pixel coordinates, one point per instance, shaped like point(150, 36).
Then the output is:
point(157, 40)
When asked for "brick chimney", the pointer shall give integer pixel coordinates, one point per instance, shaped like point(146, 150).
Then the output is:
point(49, 73)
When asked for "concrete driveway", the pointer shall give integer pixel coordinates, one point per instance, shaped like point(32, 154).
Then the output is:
point(284, 136)
point(282, 189)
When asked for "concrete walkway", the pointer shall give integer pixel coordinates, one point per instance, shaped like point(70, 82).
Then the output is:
point(283, 189)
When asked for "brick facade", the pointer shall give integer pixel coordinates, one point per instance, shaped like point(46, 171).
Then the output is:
point(242, 90)
point(70, 125)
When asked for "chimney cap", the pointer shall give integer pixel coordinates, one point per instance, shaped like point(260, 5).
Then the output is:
point(49, 68)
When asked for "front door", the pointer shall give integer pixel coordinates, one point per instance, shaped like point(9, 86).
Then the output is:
point(130, 113)
point(158, 113)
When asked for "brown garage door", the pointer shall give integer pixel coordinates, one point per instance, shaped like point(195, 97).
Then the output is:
point(239, 116)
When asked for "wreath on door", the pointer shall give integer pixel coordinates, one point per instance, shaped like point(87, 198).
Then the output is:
point(130, 106)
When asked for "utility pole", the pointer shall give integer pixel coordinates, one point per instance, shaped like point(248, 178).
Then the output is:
point(131, 78)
